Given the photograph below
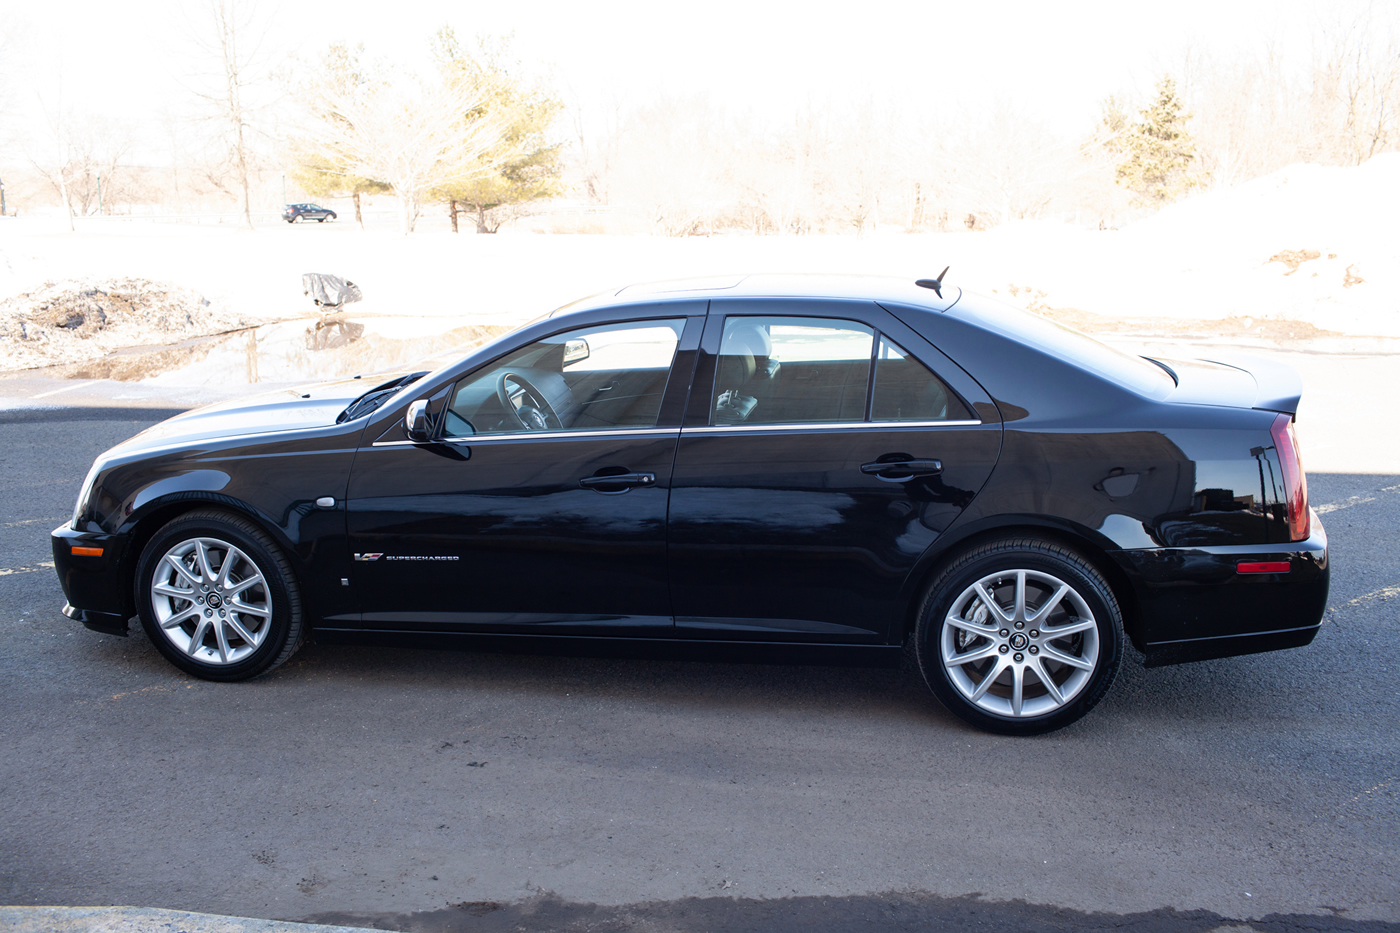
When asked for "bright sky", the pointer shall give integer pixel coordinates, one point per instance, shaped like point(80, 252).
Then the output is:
point(132, 60)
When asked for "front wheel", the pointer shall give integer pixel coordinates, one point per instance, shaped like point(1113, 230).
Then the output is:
point(1019, 636)
point(218, 598)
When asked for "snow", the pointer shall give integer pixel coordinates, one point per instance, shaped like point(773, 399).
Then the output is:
point(1204, 259)
point(78, 321)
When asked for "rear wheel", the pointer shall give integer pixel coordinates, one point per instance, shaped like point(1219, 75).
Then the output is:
point(218, 598)
point(1019, 636)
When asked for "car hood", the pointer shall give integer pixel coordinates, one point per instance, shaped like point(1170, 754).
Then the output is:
point(300, 408)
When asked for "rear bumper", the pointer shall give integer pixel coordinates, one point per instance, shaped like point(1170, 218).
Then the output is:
point(1193, 604)
point(92, 584)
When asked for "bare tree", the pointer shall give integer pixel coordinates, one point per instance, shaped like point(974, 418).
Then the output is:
point(595, 139)
point(55, 167)
point(1357, 88)
point(233, 36)
point(99, 174)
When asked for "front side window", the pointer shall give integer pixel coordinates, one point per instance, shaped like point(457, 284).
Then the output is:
point(791, 370)
point(597, 378)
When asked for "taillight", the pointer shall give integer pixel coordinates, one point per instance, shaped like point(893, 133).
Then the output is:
point(1295, 481)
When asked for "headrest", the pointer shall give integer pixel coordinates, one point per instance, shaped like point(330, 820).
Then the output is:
point(749, 337)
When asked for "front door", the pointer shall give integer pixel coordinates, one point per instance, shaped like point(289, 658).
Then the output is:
point(821, 457)
point(541, 505)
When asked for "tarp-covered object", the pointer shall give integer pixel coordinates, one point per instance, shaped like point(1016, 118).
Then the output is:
point(329, 291)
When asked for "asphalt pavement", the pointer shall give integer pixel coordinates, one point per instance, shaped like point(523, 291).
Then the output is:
point(416, 790)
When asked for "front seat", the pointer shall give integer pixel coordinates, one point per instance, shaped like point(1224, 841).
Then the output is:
point(760, 344)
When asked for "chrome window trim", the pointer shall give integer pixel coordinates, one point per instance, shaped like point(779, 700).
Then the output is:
point(534, 435)
point(827, 426)
point(671, 432)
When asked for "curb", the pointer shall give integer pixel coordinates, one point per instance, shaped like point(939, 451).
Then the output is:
point(145, 920)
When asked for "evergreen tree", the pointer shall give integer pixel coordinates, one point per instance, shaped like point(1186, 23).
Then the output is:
point(319, 177)
point(526, 166)
point(414, 135)
point(319, 170)
point(1159, 152)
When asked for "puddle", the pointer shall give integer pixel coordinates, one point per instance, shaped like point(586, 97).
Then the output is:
point(332, 335)
point(300, 350)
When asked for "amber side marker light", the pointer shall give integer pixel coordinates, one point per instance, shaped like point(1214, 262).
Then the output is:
point(1267, 566)
point(87, 551)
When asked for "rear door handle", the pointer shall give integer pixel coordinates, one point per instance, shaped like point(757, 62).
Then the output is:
point(900, 471)
point(623, 481)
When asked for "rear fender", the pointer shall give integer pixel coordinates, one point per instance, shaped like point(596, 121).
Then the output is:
point(1089, 543)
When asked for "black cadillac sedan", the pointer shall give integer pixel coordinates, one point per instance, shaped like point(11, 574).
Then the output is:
point(763, 468)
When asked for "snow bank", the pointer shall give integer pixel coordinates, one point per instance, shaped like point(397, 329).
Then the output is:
point(67, 322)
point(1312, 243)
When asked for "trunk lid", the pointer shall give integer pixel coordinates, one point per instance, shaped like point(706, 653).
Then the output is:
point(1236, 381)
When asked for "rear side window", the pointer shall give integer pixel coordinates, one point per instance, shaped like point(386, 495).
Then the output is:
point(796, 370)
point(791, 370)
point(907, 390)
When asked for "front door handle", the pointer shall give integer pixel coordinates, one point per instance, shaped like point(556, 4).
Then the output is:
point(901, 471)
point(617, 482)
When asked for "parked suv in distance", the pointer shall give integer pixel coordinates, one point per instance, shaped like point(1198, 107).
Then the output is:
point(295, 212)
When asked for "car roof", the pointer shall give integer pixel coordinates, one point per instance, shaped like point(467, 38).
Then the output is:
point(772, 285)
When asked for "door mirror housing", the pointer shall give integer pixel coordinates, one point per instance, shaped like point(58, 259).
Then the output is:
point(415, 422)
point(575, 350)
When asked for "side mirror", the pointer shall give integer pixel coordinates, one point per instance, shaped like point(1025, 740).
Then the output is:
point(575, 350)
point(416, 421)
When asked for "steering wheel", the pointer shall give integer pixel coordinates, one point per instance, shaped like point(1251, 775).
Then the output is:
point(534, 413)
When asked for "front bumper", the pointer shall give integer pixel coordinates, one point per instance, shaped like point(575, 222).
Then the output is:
point(93, 583)
point(1193, 604)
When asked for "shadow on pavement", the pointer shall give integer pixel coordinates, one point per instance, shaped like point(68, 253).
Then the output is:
point(923, 912)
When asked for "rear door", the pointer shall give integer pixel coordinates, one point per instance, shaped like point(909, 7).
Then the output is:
point(825, 448)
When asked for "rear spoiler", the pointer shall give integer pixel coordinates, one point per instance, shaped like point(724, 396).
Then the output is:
point(1278, 385)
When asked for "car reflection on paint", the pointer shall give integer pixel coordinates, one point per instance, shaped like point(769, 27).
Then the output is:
point(770, 468)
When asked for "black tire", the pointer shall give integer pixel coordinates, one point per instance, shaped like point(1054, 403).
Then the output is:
point(1082, 624)
point(256, 596)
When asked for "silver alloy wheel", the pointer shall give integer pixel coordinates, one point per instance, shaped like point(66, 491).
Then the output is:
point(211, 601)
point(1013, 623)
